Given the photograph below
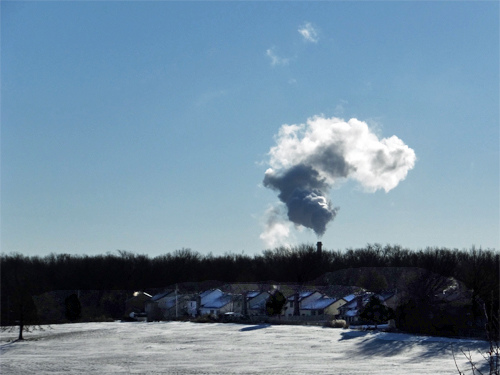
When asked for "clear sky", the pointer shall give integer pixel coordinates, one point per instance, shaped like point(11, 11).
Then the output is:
point(147, 126)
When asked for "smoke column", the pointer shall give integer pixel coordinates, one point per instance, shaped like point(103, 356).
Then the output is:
point(309, 159)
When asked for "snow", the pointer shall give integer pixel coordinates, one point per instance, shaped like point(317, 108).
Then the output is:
point(190, 348)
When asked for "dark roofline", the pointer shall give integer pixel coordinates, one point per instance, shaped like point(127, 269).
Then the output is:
point(292, 296)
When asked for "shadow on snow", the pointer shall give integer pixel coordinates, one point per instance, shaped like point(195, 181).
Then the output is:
point(372, 344)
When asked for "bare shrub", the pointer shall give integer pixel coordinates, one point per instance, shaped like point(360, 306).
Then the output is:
point(336, 323)
point(207, 318)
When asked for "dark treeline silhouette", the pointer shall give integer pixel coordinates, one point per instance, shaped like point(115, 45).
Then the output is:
point(24, 276)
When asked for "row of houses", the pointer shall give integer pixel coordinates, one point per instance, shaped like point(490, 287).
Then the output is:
point(306, 304)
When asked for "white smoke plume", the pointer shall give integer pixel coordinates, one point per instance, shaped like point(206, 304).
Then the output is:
point(277, 231)
point(309, 159)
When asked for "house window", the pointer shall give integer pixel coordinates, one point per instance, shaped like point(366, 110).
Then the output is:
point(313, 312)
point(291, 303)
point(321, 311)
point(211, 312)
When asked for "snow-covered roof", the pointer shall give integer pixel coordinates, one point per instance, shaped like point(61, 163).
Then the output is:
point(349, 305)
point(219, 302)
point(349, 298)
point(210, 295)
point(253, 294)
point(206, 292)
point(320, 303)
point(302, 295)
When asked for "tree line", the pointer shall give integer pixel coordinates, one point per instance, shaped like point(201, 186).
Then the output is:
point(23, 276)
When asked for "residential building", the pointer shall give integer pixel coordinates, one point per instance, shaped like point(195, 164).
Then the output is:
point(255, 303)
point(216, 303)
point(298, 299)
point(322, 306)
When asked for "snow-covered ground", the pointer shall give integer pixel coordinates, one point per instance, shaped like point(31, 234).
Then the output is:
point(190, 348)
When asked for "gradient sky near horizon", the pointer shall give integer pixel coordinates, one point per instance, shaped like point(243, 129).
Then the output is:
point(146, 126)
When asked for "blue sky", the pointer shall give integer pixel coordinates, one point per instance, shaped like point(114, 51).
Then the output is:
point(147, 126)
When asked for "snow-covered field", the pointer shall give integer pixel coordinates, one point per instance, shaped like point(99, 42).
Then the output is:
point(190, 348)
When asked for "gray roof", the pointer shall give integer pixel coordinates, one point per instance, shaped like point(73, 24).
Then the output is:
point(302, 295)
point(206, 293)
point(321, 303)
point(385, 295)
point(257, 306)
point(349, 298)
point(253, 294)
point(218, 302)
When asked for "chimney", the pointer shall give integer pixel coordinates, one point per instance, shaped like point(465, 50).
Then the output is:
point(319, 247)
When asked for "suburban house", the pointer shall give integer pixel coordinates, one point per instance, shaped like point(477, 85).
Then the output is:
point(389, 299)
point(322, 306)
point(207, 298)
point(163, 299)
point(307, 303)
point(216, 303)
point(161, 304)
point(351, 310)
point(177, 306)
point(255, 303)
point(299, 299)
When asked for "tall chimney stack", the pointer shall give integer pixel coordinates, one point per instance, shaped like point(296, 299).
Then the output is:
point(319, 247)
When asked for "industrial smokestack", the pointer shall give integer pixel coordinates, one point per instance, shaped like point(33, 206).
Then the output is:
point(319, 248)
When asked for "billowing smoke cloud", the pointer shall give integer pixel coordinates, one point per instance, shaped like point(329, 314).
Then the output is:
point(309, 159)
point(303, 191)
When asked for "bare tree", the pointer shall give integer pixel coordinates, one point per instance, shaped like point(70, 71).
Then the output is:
point(492, 356)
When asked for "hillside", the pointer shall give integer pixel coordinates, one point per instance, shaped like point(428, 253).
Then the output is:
point(189, 348)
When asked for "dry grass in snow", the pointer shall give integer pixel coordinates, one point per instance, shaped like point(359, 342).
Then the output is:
point(190, 348)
